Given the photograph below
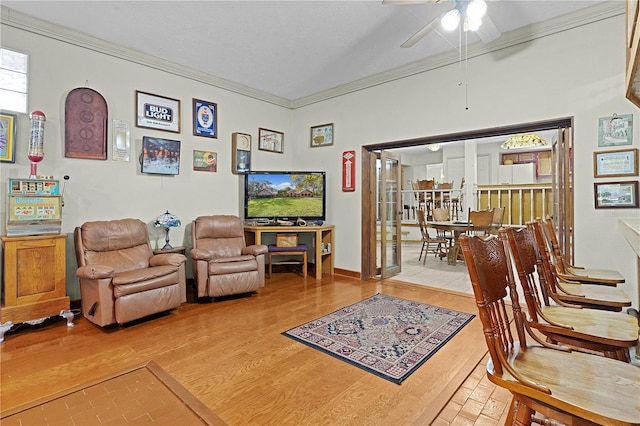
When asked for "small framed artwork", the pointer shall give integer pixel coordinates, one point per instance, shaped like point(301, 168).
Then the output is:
point(157, 112)
point(615, 163)
point(270, 140)
point(616, 195)
point(322, 135)
point(160, 156)
point(8, 125)
point(121, 140)
point(205, 161)
point(205, 119)
point(616, 130)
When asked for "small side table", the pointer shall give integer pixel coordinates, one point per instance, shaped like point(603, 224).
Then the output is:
point(179, 249)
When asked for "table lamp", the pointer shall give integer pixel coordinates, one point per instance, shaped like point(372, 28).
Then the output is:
point(167, 221)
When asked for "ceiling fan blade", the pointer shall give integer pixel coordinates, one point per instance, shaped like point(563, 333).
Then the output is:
point(421, 33)
point(488, 30)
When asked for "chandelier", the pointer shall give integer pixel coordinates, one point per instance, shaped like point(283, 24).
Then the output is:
point(526, 140)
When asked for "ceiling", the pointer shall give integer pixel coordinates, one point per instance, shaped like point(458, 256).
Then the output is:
point(293, 49)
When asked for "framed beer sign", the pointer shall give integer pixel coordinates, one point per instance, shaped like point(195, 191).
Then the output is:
point(157, 112)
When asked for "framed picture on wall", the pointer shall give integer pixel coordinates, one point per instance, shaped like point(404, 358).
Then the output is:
point(160, 156)
point(157, 112)
point(616, 130)
point(322, 135)
point(205, 119)
point(205, 161)
point(270, 140)
point(8, 138)
point(615, 163)
point(616, 195)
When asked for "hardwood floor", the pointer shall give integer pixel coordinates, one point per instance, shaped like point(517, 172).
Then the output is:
point(231, 355)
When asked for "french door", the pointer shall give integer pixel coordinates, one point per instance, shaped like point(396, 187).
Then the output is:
point(390, 212)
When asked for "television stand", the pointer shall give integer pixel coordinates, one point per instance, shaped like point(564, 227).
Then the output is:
point(322, 237)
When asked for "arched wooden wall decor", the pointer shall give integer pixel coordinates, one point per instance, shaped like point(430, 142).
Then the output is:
point(85, 125)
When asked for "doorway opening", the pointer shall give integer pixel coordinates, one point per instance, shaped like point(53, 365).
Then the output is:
point(377, 192)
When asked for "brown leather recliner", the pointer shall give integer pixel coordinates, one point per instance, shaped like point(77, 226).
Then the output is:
point(121, 280)
point(222, 262)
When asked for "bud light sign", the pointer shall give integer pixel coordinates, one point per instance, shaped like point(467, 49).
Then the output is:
point(157, 112)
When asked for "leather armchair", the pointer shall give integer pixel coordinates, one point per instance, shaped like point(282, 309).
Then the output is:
point(222, 262)
point(121, 280)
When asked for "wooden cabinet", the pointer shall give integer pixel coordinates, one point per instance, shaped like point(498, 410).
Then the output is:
point(34, 278)
point(322, 242)
point(542, 160)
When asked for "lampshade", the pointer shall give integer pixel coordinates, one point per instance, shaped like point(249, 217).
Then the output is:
point(167, 220)
point(526, 140)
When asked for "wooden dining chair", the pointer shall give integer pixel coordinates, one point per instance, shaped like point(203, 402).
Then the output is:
point(479, 222)
point(567, 271)
point(441, 214)
point(608, 333)
point(573, 292)
point(498, 218)
point(439, 243)
point(549, 383)
point(456, 202)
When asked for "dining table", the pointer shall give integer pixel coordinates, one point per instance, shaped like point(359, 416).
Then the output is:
point(455, 228)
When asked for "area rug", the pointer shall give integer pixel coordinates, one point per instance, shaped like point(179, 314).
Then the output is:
point(385, 335)
point(141, 395)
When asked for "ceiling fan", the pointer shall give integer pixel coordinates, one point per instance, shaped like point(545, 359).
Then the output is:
point(471, 13)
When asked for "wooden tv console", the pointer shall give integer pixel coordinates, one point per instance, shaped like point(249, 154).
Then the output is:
point(321, 234)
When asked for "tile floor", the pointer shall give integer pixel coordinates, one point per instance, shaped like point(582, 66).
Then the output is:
point(477, 401)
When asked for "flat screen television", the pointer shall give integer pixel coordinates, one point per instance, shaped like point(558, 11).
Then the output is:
point(285, 196)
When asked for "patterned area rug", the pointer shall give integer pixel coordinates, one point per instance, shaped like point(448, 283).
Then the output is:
point(385, 335)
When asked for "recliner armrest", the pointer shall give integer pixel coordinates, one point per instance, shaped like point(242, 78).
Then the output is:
point(175, 259)
point(200, 254)
point(95, 272)
point(256, 249)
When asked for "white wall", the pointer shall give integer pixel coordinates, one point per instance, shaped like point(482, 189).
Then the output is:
point(577, 73)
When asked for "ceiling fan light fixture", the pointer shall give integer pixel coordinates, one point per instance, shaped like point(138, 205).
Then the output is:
point(471, 24)
point(476, 9)
point(450, 20)
point(434, 147)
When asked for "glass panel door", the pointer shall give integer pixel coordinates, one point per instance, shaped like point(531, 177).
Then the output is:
point(390, 223)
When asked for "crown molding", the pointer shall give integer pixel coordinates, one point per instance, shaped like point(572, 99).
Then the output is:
point(567, 22)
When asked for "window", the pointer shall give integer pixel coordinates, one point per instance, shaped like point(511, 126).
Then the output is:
point(13, 80)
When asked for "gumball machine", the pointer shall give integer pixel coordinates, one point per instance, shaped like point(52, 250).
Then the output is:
point(36, 141)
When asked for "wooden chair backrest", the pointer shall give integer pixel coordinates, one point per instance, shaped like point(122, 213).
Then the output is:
point(545, 267)
point(491, 274)
point(498, 216)
point(479, 222)
point(426, 184)
point(549, 233)
point(525, 257)
point(441, 214)
point(446, 185)
point(422, 224)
